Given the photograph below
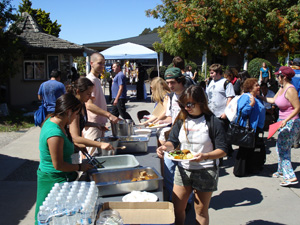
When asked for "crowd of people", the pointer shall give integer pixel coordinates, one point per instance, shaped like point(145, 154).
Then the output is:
point(77, 115)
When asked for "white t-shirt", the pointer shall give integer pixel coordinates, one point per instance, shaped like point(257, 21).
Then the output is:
point(175, 109)
point(189, 73)
point(98, 99)
point(196, 139)
point(217, 96)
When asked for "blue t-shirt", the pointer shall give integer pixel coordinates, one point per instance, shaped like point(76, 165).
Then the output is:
point(120, 79)
point(265, 73)
point(50, 91)
point(296, 81)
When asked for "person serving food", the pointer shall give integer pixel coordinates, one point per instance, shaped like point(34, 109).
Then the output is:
point(196, 129)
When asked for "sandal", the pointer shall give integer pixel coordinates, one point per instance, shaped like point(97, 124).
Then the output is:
point(277, 175)
point(288, 183)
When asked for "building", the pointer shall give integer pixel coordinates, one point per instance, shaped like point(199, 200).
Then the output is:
point(44, 52)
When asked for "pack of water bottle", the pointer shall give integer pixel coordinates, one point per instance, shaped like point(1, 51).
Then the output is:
point(70, 203)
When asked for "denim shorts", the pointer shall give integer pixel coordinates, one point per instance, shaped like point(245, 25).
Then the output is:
point(205, 180)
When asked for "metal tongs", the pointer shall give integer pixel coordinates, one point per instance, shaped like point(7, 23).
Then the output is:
point(93, 160)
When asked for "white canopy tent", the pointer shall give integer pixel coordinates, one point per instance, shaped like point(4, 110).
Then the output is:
point(130, 51)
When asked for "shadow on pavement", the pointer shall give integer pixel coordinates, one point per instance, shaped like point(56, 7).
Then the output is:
point(236, 198)
point(262, 222)
point(17, 190)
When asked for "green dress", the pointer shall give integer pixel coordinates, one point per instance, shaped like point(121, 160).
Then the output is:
point(47, 175)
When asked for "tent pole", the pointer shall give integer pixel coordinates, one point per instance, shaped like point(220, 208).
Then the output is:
point(157, 66)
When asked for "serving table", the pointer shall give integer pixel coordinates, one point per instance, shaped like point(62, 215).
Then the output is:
point(149, 159)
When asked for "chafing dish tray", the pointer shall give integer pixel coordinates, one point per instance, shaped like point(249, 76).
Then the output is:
point(133, 144)
point(115, 182)
point(116, 162)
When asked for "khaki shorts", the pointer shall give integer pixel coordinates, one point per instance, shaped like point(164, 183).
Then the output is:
point(205, 180)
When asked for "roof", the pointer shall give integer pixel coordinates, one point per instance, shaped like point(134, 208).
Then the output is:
point(146, 40)
point(35, 39)
point(129, 51)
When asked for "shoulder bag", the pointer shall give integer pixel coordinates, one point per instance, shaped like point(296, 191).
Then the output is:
point(239, 135)
point(40, 115)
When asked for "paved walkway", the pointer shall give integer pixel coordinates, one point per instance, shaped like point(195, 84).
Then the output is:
point(250, 200)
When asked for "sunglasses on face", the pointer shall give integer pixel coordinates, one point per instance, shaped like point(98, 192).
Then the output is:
point(189, 105)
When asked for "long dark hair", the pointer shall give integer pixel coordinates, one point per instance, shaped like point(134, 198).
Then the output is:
point(195, 92)
point(81, 84)
point(63, 104)
point(66, 102)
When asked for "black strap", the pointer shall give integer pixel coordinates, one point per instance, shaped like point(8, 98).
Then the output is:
point(171, 96)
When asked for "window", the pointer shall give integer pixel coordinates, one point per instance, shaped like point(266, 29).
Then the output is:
point(34, 70)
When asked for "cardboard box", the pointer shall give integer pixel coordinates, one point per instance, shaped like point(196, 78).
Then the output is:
point(139, 213)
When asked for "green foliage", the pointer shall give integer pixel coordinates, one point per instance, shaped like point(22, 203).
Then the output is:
point(81, 62)
point(149, 31)
point(41, 17)
point(9, 43)
point(162, 70)
point(15, 121)
point(224, 27)
point(255, 65)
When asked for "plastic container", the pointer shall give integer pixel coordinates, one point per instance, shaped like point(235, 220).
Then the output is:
point(109, 217)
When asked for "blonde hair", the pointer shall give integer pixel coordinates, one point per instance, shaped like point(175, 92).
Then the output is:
point(159, 89)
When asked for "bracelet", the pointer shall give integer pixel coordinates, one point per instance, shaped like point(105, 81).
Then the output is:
point(79, 167)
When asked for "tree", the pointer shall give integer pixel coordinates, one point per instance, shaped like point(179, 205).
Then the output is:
point(81, 63)
point(149, 31)
point(9, 45)
point(231, 26)
point(41, 17)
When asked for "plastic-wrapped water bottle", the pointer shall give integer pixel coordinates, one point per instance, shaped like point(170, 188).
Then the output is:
point(43, 215)
point(70, 212)
point(109, 217)
point(86, 214)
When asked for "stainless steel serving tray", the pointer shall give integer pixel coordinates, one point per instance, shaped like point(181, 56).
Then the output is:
point(115, 182)
point(116, 162)
point(133, 143)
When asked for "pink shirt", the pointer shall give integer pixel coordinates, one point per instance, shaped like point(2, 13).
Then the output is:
point(284, 105)
point(98, 99)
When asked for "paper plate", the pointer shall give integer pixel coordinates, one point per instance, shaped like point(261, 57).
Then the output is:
point(140, 196)
point(142, 131)
point(167, 155)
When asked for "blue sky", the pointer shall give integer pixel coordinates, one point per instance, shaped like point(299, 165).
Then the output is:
point(98, 20)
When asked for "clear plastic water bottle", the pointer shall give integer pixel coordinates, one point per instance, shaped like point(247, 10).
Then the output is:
point(43, 215)
point(109, 217)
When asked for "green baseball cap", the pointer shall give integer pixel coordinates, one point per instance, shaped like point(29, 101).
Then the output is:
point(173, 73)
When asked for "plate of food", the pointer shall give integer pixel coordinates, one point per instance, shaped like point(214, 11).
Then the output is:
point(158, 125)
point(140, 196)
point(180, 155)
